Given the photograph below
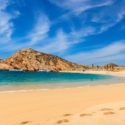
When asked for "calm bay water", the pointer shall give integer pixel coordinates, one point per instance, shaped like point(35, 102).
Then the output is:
point(13, 80)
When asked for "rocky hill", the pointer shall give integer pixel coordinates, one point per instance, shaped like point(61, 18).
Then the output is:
point(32, 60)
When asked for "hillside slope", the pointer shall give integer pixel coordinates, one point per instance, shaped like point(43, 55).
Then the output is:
point(31, 60)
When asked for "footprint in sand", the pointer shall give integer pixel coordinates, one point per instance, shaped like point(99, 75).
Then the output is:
point(106, 109)
point(24, 122)
point(65, 115)
point(122, 108)
point(109, 113)
point(62, 121)
point(85, 114)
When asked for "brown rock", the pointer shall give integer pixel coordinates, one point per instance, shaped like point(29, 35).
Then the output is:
point(31, 60)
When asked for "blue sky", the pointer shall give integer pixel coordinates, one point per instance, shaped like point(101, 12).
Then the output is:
point(82, 31)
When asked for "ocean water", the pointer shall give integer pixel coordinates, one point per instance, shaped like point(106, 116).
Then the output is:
point(20, 80)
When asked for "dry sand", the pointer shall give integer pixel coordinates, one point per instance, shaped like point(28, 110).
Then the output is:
point(88, 105)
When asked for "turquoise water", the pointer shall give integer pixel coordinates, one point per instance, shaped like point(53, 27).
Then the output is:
point(25, 80)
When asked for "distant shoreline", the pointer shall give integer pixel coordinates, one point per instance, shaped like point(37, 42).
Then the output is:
point(104, 72)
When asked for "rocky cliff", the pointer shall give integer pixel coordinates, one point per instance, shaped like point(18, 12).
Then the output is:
point(32, 60)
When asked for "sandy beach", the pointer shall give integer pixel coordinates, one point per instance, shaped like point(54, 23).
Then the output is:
point(90, 105)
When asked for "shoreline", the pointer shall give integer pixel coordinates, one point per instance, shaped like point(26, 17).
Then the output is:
point(60, 88)
point(68, 86)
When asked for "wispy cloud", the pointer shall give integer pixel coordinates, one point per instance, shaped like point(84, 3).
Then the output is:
point(3, 4)
point(110, 16)
point(37, 35)
point(79, 6)
point(109, 13)
point(6, 23)
point(63, 41)
point(57, 44)
point(40, 29)
point(109, 53)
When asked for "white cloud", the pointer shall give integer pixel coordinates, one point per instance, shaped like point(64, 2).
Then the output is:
point(109, 13)
point(57, 44)
point(6, 23)
point(40, 30)
point(38, 33)
point(3, 4)
point(86, 31)
point(79, 6)
point(109, 16)
point(109, 53)
point(64, 41)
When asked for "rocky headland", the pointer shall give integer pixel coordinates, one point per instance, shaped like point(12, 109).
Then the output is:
point(32, 60)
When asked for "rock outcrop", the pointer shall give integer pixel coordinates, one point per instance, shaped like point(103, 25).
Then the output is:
point(32, 60)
